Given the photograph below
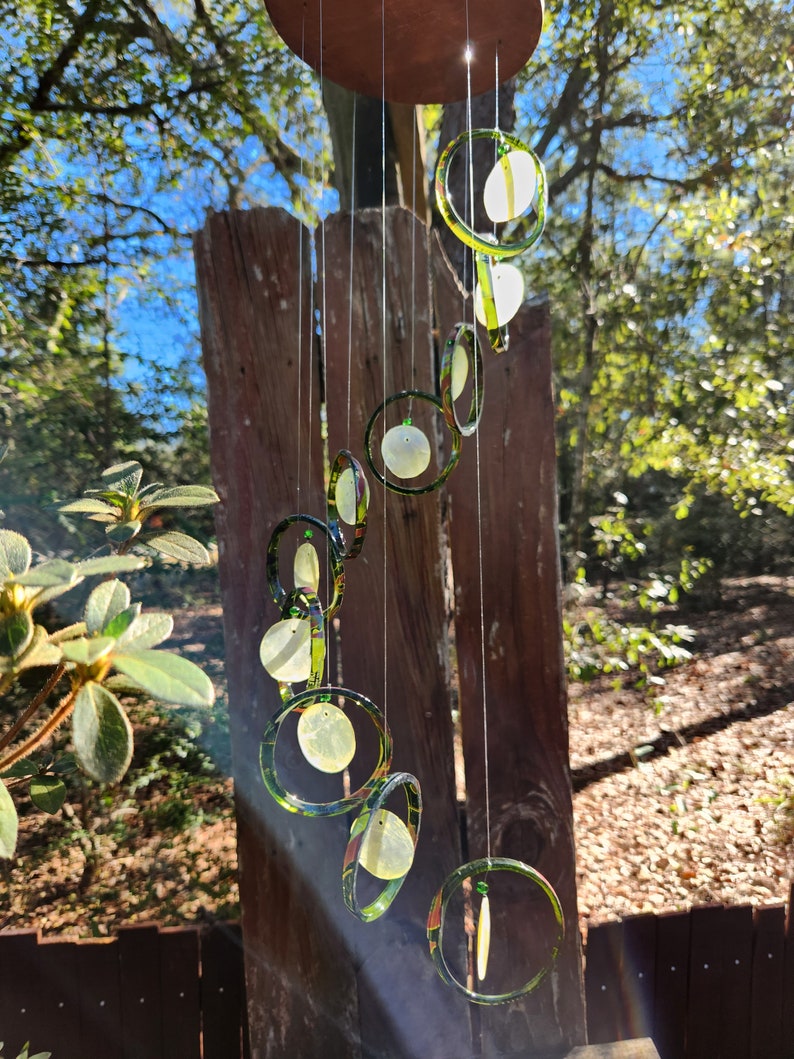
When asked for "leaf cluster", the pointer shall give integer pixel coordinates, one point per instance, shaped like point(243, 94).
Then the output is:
point(113, 651)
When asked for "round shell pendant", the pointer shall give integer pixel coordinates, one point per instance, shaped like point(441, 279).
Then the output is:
point(406, 451)
point(326, 737)
point(387, 851)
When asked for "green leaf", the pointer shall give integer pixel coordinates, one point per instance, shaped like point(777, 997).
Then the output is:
point(47, 793)
point(148, 630)
point(167, 676)
point(39, 652)
point(15, 554)
point(86, 651)
point(123, 477)
point(102, 734)
point(21, 769)
point(110, 564)
point(9, 823)
point(16, 632)
point(181, 496)
point(89, 506)
point(122, 621)
point(123, 531)
point(69, 632)
point(179, 546)
point(121, 685)
point(105, 602)
point(52, 573)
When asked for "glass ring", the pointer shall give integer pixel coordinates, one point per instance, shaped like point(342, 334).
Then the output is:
point(346, 461)
point(267, 753)
point(336, 569)
point(363, 822)
point(459, 332)
point(458, 224)
point(454, 455)
point(435, 924)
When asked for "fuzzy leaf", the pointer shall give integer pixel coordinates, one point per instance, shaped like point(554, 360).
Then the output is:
point(9, 823)
point(123, 477)
point(121, 685)
point(47, 793)
point(122, 621)
point(87, 651)
point(167, 676)
point(105, 602)
point(89, 506)
point(110, 564)
point(181, 496)
point(56, 572)
point(69, 632)
point(40, 651)
point(15, 554)
point(16, 632)
point(102, 734)
point(148, 630)
point(179, 546)
point(123, 531)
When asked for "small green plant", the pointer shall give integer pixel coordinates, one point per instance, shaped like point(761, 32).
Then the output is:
point(112, 651)
point(24, 1053)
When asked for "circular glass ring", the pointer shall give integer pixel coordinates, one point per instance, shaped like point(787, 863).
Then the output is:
point(461, 333)
point(361, 826)
point(454, 455)
point(336, 569)
point(345, 461)
point(435, 924)
point(467, 235)
point(267, 753)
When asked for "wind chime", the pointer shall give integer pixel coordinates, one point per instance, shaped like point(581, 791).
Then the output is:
point(447, 50)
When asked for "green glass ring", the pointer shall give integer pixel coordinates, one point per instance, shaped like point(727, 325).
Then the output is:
point(267, 753)
point(457, 223)
point(499, 337)
point(435, 925)
point(454, 455)
point(467, 333)
point(346, 461)
point(336, 569)
point(368, 813)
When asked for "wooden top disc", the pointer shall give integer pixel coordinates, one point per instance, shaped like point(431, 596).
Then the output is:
point(425, 42)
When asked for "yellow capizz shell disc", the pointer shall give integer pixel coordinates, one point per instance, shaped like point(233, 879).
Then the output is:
point(483, 937)
point(406, 451)
point(306, 568)
point(285, 650)
point(326, 737)
point(387, 851)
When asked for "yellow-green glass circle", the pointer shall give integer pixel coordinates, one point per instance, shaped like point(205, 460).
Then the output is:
point(406, 451)
point(326, 737)
point(510, 186)
point(306, 567)
point(387, 850)
point(285, 650)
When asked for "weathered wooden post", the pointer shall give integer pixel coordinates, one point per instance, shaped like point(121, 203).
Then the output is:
point(319, 982)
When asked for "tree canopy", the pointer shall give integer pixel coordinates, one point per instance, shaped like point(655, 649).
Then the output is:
point(668, 254)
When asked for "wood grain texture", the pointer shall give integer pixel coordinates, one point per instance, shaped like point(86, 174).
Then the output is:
point(527, 753)
point(256, 329)
point(319, 982)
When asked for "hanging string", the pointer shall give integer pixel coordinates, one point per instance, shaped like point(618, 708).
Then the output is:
point(350, 278)
point(383, 332)
point(301, 214)
point(481, 580)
